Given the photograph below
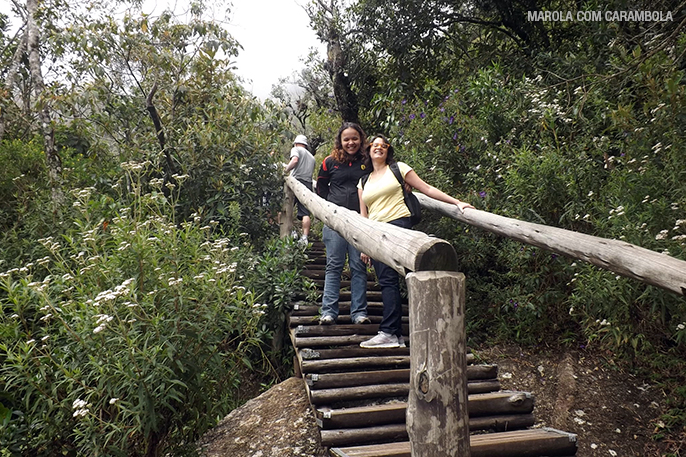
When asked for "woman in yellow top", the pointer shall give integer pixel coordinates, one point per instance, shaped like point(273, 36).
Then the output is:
point(382, 199)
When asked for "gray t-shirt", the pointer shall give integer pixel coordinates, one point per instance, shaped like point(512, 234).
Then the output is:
point(305, 167)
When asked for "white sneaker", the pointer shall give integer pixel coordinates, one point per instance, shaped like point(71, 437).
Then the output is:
point(362, 320)
point(303, 241)
point(294, 235)
point(326, 320)
point(382, 340)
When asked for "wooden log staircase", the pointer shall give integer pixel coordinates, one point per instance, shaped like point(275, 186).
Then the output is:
point(360, 395)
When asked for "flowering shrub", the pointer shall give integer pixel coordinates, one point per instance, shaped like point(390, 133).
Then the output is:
point(576, 157)
point(129, 335)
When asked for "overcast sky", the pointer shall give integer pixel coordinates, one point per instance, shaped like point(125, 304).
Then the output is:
point(275, 36)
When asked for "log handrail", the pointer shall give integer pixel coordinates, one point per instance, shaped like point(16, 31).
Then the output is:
point(623, 258)
point(402, 249)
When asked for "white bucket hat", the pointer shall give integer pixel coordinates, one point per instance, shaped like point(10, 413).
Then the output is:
point(302, 139)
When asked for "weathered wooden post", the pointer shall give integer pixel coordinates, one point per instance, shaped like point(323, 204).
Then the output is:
point(437, 418)
point(286, 214)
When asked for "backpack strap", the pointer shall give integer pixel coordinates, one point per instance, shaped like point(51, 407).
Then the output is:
point(396, 171)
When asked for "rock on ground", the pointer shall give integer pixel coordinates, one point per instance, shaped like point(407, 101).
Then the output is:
point(278, 423)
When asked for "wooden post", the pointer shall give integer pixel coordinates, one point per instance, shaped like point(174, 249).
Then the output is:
point(286, 214)
point(437, 418)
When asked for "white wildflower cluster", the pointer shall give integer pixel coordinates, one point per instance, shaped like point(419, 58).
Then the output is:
point(38, 286)
point(679, 225)
point(258, 309)
point(619, 211)
point(124, 246)
point(223, 268)
point(655, 112)
point(111, 295)
point(681, 326)
point(603, 323)
point(135, 166)
point(157, 182)
point(175, 281)
point(102, 321)
point(50, 244)
point(80, 408)
point(82, 196)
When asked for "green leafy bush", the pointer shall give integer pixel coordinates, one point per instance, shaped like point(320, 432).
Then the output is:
point(130, 335)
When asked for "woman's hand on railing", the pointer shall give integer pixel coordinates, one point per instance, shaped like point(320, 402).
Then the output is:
point(365, 259)
point(463, 205)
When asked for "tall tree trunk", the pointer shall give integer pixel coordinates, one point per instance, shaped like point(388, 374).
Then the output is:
point(11, 81)
point(53, 159)
point(345, 97)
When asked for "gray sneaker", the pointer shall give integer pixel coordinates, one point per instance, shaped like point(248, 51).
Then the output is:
point(362, 320)
point(401, 342)
point(382, 340)
point(327, 320)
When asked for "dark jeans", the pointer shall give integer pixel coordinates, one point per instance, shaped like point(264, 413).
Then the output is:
point(389, 280)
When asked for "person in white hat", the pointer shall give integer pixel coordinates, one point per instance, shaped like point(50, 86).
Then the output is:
point(301, 167)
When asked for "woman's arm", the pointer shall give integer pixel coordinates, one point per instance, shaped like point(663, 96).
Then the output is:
point(363, 212)
point(363, 207)
point(430, 191)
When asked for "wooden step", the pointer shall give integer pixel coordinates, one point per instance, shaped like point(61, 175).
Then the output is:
point(356, 363)
point(332, 396)
point(381, 433)
point(374, 307)
point(394, 413)
point(324, 380)
point(357, 351)
point(341, 329)
point(521, 443)
point(343, 319)
point(362, 378)
point(487, 406)
point(351, 351)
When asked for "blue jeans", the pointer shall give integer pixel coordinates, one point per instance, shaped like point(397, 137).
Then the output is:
point(389, 281)
point(336, 249)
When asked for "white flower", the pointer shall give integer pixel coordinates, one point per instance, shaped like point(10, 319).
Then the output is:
point(113, 400)
point(662, 235)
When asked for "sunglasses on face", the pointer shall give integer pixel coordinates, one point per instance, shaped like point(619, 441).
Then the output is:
point(381, 145)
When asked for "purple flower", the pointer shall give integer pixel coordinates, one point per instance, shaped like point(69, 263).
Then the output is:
point(482, 194)
point(404, 101)
point(455, 136)
point(412, 116)
point(451, 120)
point(422, 115)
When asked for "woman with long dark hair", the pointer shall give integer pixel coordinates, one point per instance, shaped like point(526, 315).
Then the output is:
point(337, 183)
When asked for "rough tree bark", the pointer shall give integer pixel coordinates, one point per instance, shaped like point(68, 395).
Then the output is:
point(326, 20)
point(159, 131)
point(53, 159)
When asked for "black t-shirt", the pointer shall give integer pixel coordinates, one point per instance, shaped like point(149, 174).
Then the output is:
point(337, 182)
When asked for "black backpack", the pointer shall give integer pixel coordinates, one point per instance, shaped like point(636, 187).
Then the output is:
point(411, 200)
